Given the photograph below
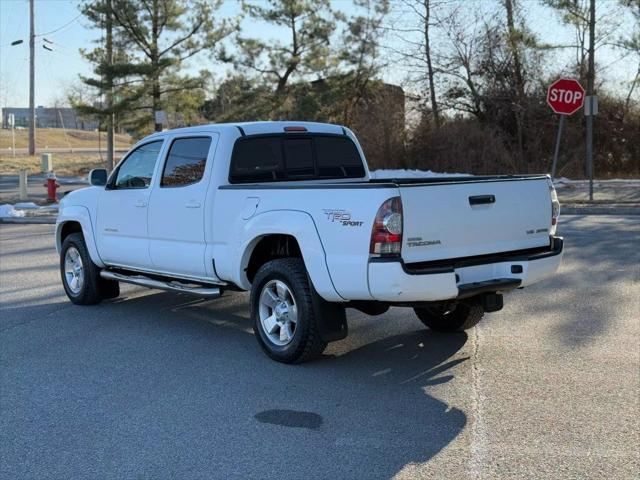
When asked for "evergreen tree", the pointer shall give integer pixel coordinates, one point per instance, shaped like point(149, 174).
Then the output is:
point(162, 34)
point(309, 25)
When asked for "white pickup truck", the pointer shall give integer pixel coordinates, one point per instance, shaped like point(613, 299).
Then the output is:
point(288, 210)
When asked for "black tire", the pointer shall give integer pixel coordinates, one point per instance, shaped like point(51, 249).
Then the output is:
point(90, 292)
point(449, 317)
point(306, 342)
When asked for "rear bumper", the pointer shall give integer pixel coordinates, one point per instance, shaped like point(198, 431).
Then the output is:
point(395, 281)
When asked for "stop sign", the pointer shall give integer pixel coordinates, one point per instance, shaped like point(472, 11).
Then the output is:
point(565, 96)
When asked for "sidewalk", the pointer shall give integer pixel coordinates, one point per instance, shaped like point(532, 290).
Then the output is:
point(610, 197)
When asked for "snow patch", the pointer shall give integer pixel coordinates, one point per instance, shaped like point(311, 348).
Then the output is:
point(7, 211)
point(25, 205)
point(27, 209)
point(388, 173)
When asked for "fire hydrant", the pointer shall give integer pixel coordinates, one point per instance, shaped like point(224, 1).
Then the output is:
point(52, 185)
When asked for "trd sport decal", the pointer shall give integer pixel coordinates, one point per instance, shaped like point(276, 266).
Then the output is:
point(343, 217)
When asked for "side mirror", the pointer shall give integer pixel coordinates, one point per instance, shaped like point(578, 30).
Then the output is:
point(98, 177)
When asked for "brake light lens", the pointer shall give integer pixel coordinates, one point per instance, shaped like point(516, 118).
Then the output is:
point(386, 234)
point(555, 208)
point(295, 129)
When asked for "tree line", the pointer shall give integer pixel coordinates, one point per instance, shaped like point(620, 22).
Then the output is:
point(474, 76)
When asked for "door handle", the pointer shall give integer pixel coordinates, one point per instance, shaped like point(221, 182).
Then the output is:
point(481, 199)
point(193, 204)
point(140, 203)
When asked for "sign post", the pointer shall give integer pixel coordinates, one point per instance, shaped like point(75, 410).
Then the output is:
point(12, 123)
point(557, 149)
point(565, 96)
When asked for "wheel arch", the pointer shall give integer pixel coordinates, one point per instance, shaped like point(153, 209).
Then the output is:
point(280, 234)
point(76, 219)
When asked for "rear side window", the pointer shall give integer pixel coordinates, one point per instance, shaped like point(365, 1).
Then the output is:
point(294, 157)
point(186, 161)
point(257, 160)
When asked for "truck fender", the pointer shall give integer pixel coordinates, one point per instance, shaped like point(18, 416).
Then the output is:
point(299, 225)
point(79, 214)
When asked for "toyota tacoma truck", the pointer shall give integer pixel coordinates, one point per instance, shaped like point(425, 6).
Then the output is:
point(288, 210)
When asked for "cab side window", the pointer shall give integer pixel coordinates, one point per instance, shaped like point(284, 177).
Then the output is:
point(137, 169)
point(186, 161)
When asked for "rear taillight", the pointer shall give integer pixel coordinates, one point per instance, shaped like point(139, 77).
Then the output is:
point(386, 234)
point(555, 208)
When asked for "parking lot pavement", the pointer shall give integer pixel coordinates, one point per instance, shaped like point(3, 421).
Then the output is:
point(159, 385)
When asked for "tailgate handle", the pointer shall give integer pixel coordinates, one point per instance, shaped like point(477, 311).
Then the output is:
point(481, 199)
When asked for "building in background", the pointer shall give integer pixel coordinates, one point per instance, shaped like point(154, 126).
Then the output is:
point(49, 117)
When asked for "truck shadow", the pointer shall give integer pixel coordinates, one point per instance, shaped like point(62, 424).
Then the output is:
point(142, 379)
point(365, 413)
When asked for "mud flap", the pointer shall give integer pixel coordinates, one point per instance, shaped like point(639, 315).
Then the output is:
point(332, 318)
point(492, 302)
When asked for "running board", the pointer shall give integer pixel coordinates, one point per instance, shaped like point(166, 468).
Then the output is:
point(207, 292)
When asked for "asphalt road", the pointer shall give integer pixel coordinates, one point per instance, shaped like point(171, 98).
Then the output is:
point(157, 385)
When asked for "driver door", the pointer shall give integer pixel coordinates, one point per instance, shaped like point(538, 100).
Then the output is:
point(122, 234)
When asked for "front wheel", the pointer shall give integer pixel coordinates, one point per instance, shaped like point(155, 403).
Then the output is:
point(451, 316)
point(80, 276)
point(285, 321)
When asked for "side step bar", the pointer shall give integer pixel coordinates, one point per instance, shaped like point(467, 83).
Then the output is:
point(212, 292)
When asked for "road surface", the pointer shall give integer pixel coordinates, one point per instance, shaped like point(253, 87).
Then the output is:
point(158, 385)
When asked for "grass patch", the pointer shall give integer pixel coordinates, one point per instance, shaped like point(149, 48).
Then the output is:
point(64, 164)
point(60, 138)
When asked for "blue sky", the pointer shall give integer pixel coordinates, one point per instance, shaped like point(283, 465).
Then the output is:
point(59, 21)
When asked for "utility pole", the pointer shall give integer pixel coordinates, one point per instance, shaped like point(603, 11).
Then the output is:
point(109, 74)
point(590, 97)
point(32, 74)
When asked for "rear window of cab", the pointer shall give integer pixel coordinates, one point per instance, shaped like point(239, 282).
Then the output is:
point(273, 158)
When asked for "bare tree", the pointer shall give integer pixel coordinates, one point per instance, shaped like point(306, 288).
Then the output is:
point(630, 46)
point(575, 14)
point(417, 51)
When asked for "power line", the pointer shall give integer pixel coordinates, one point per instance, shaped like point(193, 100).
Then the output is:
point(62, 27)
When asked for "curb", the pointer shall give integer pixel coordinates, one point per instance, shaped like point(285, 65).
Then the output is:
point(30, 220)
point(611, 209)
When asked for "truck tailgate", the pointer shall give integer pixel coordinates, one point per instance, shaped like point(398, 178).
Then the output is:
point(446, 220)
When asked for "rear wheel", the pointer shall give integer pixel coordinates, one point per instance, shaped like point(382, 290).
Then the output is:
point(285, 321)
point(451, 316)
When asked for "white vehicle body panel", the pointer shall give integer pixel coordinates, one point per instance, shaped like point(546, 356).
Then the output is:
point(441, 217)
point(121, 228)
point(176, 222)
point(80, 214)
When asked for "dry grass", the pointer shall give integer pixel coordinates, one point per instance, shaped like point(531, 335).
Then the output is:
point(65, 164)
point(59, 138)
